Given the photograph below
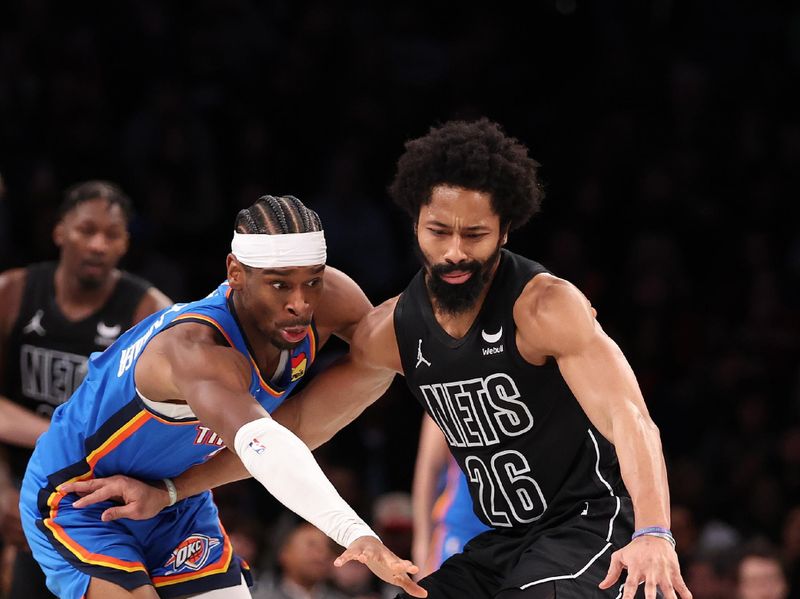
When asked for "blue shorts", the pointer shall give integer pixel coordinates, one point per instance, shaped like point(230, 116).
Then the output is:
point(184, 550)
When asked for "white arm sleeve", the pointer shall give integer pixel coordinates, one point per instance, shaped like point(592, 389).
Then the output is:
point(284, 465)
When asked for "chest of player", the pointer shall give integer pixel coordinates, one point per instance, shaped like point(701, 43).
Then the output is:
point(49, 354)
point(478, 389)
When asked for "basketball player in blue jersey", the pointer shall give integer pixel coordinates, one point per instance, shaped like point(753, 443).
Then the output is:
point(176, 389)
point(53, 315)
point(538, 405)
point(443, 516)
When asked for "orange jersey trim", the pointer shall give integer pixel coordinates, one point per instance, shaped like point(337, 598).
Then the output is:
point(88, 557)
point(218, 326)
point(447, 497)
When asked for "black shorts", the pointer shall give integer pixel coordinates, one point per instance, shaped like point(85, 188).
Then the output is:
point(566, 559)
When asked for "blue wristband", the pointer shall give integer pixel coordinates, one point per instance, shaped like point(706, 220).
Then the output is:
point(655, 531)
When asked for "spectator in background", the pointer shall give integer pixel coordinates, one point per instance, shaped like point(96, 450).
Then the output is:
point(760, 573)
point(304, 563)
point(52, 316)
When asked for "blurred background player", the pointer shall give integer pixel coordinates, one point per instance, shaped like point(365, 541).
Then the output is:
point(304, 561)
point(443, 515)
point(760, 573)
point(52, 316)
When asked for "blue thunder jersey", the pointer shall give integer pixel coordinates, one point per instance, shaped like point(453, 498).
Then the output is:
point(107, 429)
point(454, 519)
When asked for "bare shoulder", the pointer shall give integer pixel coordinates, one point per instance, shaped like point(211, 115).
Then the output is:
point(12, 284)
point(375, 341)
point(152, 301)
point(342, 306)
point(553, 316)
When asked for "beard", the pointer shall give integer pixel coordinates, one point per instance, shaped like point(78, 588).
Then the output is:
point(90, 283)
point(454, 299)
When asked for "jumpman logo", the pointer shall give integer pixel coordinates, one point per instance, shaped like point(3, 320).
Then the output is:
point(35, 325)
point(420, 358)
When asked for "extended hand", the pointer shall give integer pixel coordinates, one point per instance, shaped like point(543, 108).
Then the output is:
point(650, 560)
point(383, 563)
point(139, 500)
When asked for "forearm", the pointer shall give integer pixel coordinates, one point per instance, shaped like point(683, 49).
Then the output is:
point(285, 467)
point(225, 467)
point(332, 400)
point(19, 426)
point(641, 459)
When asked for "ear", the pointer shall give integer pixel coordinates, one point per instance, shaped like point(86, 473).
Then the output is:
point(236, 273)
point(59, 234)
point(504, 235)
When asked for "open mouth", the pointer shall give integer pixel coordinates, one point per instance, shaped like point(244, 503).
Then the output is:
point(457, 277)
point(293, 334)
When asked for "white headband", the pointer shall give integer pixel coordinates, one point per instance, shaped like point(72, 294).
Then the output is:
point(279, 251)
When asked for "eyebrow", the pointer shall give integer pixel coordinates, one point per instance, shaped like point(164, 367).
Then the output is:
point(282, 272)
point(437, 223)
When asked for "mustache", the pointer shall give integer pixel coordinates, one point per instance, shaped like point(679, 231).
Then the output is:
point(472, 266)
point(294, 323)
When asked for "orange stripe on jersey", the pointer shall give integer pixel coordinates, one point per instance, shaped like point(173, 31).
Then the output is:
point(88, 557)
point(122, 433)
point(218, 326)
point(312, 344)
point(221, 565)
point(447, 497)
point(209, 320)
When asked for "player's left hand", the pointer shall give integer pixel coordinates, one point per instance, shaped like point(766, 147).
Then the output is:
point(383, 563)
point(652, 561)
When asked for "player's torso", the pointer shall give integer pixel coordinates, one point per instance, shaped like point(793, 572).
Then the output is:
point(47, 353)
point(128, 434)
point(515, 429)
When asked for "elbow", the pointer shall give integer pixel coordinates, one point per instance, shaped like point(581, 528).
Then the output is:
point(633, 423)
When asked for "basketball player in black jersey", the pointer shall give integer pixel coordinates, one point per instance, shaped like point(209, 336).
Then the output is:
point(52, 316)
point(538, 405)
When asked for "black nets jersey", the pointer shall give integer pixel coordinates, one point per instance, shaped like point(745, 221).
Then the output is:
point(48, 354)
point(528, 450)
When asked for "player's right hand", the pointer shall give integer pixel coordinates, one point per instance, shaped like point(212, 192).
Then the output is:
point(383, 563)
point(140, 500)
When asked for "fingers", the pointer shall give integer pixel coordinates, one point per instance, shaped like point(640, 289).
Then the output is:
point(101, 494)
point(630, 588)
point(79, 487)
point(682, 590)
point(115, 513)
point(344, 558)
point(614, 570)
point(410, 587)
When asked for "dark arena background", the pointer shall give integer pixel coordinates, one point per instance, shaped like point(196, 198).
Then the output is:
point(669, 137)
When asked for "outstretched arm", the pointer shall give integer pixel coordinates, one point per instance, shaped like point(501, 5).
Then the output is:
point(555, 319)
point(432, 454)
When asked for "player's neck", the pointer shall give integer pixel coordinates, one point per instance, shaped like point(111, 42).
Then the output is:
point(77, 301)
point(265, 354)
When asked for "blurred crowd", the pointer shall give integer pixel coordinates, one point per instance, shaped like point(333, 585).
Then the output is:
point(669, 135)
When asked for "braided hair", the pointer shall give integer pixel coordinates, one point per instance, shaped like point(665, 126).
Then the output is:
point(277, 215)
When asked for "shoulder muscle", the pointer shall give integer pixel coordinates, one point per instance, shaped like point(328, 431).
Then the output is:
point(343, 305)
point(553, 317)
